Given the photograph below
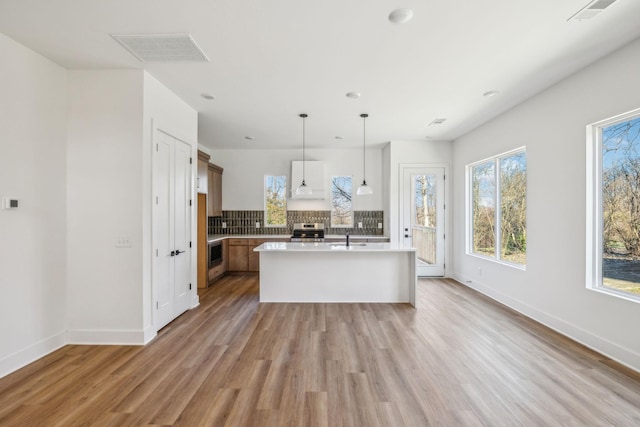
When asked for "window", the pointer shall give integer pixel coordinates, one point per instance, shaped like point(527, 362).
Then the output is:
point(497, 210)
point(275, 201)
point(341, 205)
point(613, 214)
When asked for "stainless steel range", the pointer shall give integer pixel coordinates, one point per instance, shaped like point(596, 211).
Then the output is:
point(308, 232)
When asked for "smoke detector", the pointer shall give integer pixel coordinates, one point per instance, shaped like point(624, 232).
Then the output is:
point(161, 47)
point(591, 10)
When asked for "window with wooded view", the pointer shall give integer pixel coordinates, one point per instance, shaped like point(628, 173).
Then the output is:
point(275, 201)
point(341, 203)
point(498, 208)
point(620, 192)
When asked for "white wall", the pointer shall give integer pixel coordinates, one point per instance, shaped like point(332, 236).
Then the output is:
point(33, 113)
point(552, 126)
point(104, 202)
point(165, 111)
point(244, 171)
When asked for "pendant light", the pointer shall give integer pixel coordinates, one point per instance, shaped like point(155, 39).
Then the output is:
point(364, 189)
point(303, 190)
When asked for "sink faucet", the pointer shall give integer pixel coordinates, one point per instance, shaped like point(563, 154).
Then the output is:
point(347, 236)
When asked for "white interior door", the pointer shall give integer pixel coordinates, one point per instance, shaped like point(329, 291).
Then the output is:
point(423, 217)
point(182, 226)
point(171, 228)
point(164, 265)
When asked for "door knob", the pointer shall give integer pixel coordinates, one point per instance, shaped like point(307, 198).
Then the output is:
point(178, 252)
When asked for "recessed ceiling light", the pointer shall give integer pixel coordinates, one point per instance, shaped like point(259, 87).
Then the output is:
point(250, 138)
point(207, 96)
point(400, 16)
point(339, 137)
point(353, 95)
point(490, 93)
point(437, 122)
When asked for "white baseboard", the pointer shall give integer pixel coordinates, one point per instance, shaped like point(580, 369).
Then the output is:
point(612, 350)
point(23, 357)
point(107, 337)
point(149, 334)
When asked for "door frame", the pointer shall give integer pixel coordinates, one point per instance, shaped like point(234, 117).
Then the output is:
point(402, 167)
point(193, 226)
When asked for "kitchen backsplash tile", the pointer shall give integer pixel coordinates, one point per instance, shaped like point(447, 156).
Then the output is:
point(244, 222)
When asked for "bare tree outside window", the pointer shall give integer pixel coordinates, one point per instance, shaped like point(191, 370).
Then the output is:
point(483, 207)
point(621, 206)
point(498, 207)
point(341, 204)
point(275, 201)
point(425, 200)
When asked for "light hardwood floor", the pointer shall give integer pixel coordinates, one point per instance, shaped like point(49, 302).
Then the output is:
point(459, 359)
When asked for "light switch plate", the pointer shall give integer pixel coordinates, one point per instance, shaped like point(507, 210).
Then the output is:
point(257, 224)
point(380, 226)
point(224, 225)
point(123, 242)
point(10, 203)
point(359, 225)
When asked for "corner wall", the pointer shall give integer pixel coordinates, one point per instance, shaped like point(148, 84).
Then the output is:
point(552, 126)
point(33, 117)
point(104, 204)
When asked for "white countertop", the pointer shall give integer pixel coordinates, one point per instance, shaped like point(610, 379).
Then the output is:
point(330, 247)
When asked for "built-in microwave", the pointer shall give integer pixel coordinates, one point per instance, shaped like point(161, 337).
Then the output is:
point(215, 253)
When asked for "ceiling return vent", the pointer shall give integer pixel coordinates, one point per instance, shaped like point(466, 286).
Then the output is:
point(591, 10)
point(161, 47)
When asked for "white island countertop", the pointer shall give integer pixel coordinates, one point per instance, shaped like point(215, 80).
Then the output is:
point(329, 247)
point(324, 272)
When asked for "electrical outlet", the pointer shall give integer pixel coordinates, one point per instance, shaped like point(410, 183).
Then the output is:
point(224, 225)
point(257, 224)
point(379, 226)
point(359, 225)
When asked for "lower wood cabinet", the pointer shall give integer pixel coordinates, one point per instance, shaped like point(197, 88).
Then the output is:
point(241, 254)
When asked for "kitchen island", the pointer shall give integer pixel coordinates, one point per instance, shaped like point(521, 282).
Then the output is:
point(334, 272)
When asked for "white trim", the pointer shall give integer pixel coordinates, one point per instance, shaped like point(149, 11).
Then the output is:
point(109, 337)
point(30, 354)
point(602, 345)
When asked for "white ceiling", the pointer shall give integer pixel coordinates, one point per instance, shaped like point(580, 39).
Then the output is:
point(271, 60)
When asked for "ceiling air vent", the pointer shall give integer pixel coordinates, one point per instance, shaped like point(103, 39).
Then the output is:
point(437, 122)
point(161, 47)
point(591, 10)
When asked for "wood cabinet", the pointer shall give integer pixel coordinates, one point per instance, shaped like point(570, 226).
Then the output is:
point(203, 172)
point(241, 254)
point(238, 255)
point(214, 178)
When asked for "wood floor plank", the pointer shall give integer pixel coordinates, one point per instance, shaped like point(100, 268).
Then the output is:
point(458, 359)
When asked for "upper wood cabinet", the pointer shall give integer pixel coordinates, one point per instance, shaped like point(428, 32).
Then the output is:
point(203, 167)
point(214, 202)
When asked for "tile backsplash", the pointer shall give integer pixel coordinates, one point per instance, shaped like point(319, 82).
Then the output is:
point(244, 222)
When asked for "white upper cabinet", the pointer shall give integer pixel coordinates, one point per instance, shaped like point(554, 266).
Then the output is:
point(313, 176)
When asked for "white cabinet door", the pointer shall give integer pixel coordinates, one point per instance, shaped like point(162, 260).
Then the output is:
point(171, 228)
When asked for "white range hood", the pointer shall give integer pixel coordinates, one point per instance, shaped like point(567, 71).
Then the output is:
point(313, 176)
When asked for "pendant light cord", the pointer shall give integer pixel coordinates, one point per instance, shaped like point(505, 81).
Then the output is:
point(304, 116)
point(364, 141)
